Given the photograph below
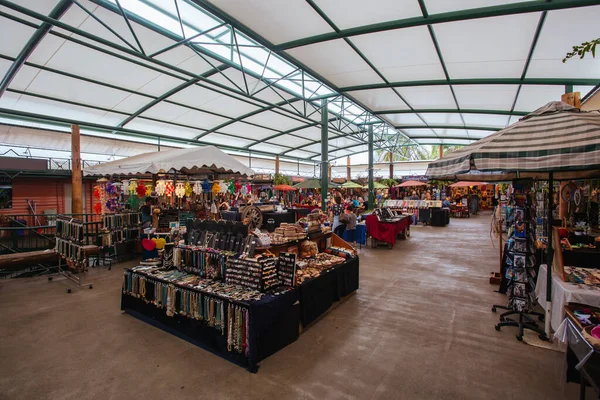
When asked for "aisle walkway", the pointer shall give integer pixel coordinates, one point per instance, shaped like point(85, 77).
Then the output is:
point(420, 327)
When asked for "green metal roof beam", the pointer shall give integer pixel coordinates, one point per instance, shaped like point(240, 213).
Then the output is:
point(467, 127)
point(476, 81)
point(536, 36)
point(462, 15)
point(452, 111)
point(170, 93)
point(59, 24)
point(22, 115)
point(104, 109)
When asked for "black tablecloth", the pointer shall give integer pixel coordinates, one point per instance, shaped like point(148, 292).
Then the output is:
point(278, 218)
point(318, 294)
point(273, 325)
point(299, 212)
point(231, 215)
point(586, 258)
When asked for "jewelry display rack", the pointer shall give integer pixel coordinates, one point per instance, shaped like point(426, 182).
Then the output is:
point(70, 246)
point(118, 229)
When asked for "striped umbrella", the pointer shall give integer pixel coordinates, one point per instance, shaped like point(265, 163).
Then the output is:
point(555, 141)
point(555, 138)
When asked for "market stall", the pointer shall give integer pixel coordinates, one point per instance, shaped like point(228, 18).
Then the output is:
point(387, 231)
point(557, 141)
point(243, 295)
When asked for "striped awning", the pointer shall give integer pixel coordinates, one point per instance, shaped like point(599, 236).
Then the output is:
point(555, 138)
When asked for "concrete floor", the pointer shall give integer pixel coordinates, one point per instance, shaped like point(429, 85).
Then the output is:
point(420, 327)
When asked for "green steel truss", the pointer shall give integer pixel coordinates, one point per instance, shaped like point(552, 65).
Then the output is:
point(247, 67)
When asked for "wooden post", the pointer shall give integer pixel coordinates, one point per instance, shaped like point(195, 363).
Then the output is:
point(329, 173)
point(441, 151)
point(348, 170)
point(76, 181)
point(391, 157)
point(276, 164)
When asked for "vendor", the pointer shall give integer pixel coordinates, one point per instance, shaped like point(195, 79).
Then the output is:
point(223, 206)
point(446, 203)
point(336, 209)
point(146, 211)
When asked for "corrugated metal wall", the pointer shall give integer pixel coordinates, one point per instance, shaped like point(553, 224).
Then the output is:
point(48, 193)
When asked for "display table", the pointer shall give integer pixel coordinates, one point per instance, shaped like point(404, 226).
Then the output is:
point(584, 257)
point(318, 294)
point(273, 324)
point(299, 212)
point(231, 215)
point(562, 294)
point(278, 218)
point(386, 231)
point(360, 235)
point(582, 359)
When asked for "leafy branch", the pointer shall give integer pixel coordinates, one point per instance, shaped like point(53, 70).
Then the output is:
point(583, 49)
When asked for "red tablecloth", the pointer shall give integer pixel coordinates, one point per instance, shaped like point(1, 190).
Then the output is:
point(385, 231)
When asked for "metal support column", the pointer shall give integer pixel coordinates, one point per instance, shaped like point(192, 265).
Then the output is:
point(550, 255)
point(371, 188)
point(324, 154)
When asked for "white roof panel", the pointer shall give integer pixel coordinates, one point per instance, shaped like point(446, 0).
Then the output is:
point(485, 120)
point(442, 118)
point(425, 97)
point(404, 119)
point(379, 99)
point(345, 69)
point(443, 6)
point(350, 13)
point(488, 47)
point(245, 130)
point(532, 97)
point(18, 33)
point(200, 119)
point(219, 139)
point(486, 97)
point(387, 51)
point(277, 21)
point(555, 41)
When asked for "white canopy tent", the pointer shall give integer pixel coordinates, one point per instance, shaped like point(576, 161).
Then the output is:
point(193, 161)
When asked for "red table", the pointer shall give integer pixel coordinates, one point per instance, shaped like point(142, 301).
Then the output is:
point(386, 231)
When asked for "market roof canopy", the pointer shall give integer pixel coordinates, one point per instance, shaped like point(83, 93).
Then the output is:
point(194, 161)
point(467, 184)
point(411, 183)
point(556, 137)
point(350, 185)
point(188, 72)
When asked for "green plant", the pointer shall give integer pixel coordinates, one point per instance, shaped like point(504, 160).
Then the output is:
point(282, 180)
point(389, 182)
point(583, 49)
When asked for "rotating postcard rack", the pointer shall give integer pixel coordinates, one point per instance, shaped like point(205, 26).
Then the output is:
point(520, 264)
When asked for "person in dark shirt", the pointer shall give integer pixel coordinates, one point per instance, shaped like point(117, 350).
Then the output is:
point(146, 211)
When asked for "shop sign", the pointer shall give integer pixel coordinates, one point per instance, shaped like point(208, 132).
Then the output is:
point(418, 178)
point(297, 179)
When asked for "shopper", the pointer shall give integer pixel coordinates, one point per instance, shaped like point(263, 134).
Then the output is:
point(146, 211)
point(351, 225)
point(336, 209)
point(414, 196)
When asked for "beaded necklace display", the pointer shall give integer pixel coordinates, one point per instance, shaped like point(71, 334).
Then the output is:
point(230, 319)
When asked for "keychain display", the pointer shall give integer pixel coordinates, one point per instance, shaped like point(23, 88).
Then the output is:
point(69, 228)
